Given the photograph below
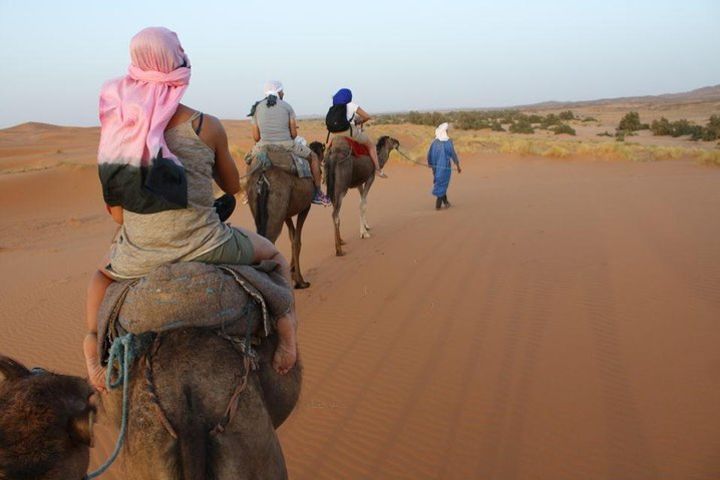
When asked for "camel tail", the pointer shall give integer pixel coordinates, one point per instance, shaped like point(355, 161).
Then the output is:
point(261, 219)
point(193, 438)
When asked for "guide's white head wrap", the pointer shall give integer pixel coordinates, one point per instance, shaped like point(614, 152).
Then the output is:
point(441, 132)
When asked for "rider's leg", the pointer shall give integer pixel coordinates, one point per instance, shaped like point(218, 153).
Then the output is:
point(365, 139)
point(286, 351)
point(315, 169)
point(247, 248)
point(99, 282)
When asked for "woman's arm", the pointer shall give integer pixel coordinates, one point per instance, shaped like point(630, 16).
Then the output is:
point(256, 132)
point(225, 171)
point(364, 116)
point(116, 213)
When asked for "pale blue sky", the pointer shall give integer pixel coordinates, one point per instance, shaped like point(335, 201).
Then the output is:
point(395, 55)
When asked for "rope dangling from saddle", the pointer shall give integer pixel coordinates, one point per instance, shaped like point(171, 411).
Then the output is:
point(232, 406)
point(123, 352)
point(261, 207)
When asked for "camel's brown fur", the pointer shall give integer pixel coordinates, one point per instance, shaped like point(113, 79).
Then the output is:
point(45, 424)
point(345, 171)
point(289, 196)
point(195, 373)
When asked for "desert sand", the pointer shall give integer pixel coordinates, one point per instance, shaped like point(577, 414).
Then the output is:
point(560, 321)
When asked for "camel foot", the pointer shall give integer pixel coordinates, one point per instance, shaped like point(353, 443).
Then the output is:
point(339, 253)
point(367, 227)
point(301, 285)
point(365, 235)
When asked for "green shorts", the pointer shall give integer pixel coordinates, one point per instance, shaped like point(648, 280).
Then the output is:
point(238, 250)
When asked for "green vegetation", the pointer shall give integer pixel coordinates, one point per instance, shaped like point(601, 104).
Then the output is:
point(521, 126)
point(496, 127)
point(495, 120)
point(563, 128)
point(527, 123)
point(678, 128)
point(661, 127)
point(631, 123)
point(550, 147)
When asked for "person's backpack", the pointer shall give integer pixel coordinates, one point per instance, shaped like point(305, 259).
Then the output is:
point(336, 119)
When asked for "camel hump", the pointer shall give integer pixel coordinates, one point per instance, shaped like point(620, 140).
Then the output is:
point(281, 157)
point(240, 299)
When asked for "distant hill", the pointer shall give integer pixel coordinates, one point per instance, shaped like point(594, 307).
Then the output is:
point(704, 94)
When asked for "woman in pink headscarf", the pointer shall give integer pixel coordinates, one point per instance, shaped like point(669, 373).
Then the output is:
point(157, 160)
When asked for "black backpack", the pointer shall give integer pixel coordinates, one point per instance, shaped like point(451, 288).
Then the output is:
point(336, 119)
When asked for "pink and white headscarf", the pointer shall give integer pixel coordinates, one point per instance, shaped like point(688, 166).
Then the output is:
point(137, 170)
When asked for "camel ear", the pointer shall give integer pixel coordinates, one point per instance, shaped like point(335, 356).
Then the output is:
point(80, 427)
point(11, 369)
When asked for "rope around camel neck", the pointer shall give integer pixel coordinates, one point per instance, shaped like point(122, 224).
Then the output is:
point(122, 352)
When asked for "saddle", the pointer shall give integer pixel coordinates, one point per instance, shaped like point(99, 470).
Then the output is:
point(239, 301)
point(358, 149)
point(279, 157)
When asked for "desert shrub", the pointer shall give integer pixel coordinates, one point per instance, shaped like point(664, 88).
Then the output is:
point(496, 127)
point(605, 134)
point(566, 115)
point(620, 136)
point(563, 128)
point(682, 127)
point(550, 120)
point(470, 121)
point(631, 123)
point(589, 119)
point(521, 126)
point(427, 118)
point(535, 118)
point(712, 129)
point(661, 127)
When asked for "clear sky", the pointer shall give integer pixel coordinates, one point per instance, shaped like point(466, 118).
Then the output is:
point(395, 55)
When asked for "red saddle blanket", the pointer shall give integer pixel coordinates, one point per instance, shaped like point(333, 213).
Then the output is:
point(358, 149)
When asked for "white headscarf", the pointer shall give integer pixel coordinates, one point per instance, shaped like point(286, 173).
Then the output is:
point(273, 87)
point(441, 132)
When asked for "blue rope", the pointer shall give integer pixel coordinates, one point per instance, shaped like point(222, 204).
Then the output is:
point(122, 354)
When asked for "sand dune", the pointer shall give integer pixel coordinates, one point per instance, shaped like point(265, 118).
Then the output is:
point(559, 322)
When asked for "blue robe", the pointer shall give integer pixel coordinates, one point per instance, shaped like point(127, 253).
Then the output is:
point(439, 157)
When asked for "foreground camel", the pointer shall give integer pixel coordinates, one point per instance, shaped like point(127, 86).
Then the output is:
point(275, 197)
point(45, 424)
point(183, 420)
point(345, 171)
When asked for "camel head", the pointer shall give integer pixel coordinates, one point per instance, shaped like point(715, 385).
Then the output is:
point(45, 423)
point(389, 143)
point(319, 149)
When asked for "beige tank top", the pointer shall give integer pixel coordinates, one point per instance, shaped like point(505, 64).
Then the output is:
point(146, 241)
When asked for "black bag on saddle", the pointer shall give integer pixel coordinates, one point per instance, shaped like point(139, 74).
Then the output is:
point(336, 119)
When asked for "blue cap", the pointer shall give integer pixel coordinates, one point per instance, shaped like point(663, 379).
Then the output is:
point(342, 97)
